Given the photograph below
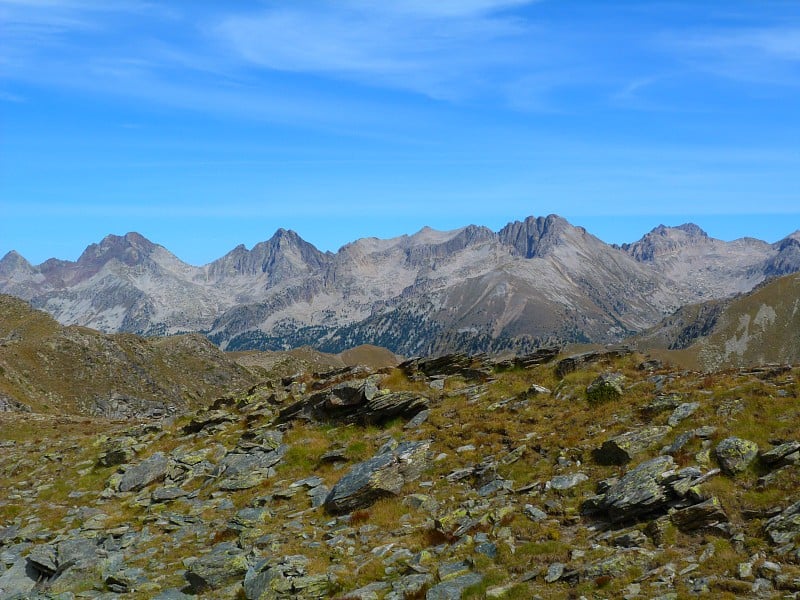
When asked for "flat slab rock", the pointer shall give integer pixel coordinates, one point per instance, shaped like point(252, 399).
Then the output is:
point(639, 491)
point(146, 472)
point(382, 475)
point(785, 527)
point(453, 589)
point(622, 448)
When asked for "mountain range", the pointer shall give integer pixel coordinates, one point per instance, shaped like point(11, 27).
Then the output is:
point(533, 282)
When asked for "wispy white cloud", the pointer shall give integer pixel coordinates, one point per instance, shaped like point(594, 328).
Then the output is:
point(441, 49)
point(768, 55)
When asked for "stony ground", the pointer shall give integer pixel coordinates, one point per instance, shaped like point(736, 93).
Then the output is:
point(598, 476)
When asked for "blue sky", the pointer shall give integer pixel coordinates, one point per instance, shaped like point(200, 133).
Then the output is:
point(203, 125)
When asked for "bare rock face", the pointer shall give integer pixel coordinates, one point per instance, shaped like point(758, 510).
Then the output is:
point(665, 241)
point(382, 475)
point(534, 237)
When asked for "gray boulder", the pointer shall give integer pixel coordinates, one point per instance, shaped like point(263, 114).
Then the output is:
point(382, 475)
point(146, 472)
point(682, 412)
point(622, 448)
point(565, 482)
point(735, 454)
point(639, 491)
point(243, 470)
point(787, 453)
point(453, 589)
point(20, 579)
point(225, 564)
point(784, 528)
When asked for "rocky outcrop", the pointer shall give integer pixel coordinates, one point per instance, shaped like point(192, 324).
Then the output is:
point(470, 367)
point(357, 400)
point(385, 474)
point(534, 237)
point(639, 491)
point(784, 528)
point(578, 361)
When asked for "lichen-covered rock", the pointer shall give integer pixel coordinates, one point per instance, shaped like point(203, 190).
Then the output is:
point(224, 564)
point(605, 387)
point(615, 565)
point(735, 454)
point(382, 475)
point(117, 451)
point(785, 527)
point(622, 448)
point(639, 491)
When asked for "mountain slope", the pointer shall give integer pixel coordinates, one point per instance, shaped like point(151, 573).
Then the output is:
point(704, 267)
point(540, 280)
point(50, 368)
point(755, 328)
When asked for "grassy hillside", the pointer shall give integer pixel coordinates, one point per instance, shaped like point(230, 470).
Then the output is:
point(757, 328)
point(68, 370)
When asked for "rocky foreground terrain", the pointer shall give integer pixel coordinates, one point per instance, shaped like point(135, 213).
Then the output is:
point(599, 475)
point(534, 282)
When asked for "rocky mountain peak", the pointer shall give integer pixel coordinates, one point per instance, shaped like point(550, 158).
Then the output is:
point(787, 260)
point(535, 236)
point(664, 240)
point(129, 249)
point(13, 262)
point(283, 255)
point(692, 230)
